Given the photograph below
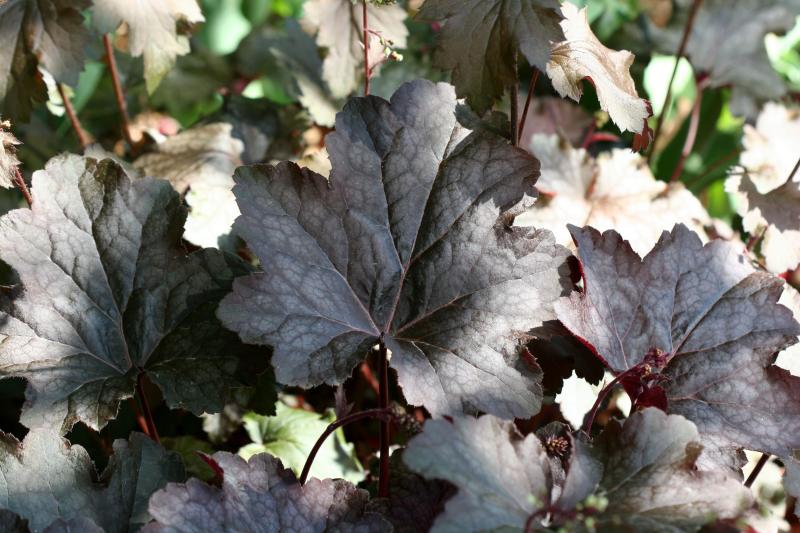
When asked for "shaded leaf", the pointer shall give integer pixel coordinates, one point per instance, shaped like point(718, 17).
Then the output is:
point(727, 45)
point(791, 482)
point(409, 241)
point(550, 115)
point(107, 293)
point(34, 33)
point(502, 478)
point(74, 525)
point(8, 155)
point(558, 353)
point(650, 478)
point(12, 523)
point(582, 56)
point(291, 434)
point(152, 30)
point(480, 39)
point(338, 25)
point(188, 448)
point(261, 496)
point(701, 317)
point(640, 476)
point(199, 162)
point(414, 502)
point(616, 190)
point(295, 60)
point(45, 480)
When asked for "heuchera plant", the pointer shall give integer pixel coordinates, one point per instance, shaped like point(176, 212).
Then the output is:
point(446, 303)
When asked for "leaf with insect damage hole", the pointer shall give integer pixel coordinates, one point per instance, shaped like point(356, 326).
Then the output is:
point(106, 293)
point(697, 323)
point(38, 33)
point(262, 497)
point(410, 241)
point(52, 484)
point(616, 190)
point(727, 44)
point(480, 39)
point(199, 163)
point(154, 30)
point(582, 56)
point(339, 27)
point(8, 155)
point(767, 191)
point(638, 475)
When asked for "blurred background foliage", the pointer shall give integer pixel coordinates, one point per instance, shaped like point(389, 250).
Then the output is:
point(244, 68)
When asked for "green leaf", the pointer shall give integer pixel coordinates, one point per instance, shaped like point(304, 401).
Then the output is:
point(187, 447)
point(290, 435)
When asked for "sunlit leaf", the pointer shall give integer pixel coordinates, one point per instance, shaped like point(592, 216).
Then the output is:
point(152, 28)
point(616, 190)
point(291, 434)
point(409, 241)
point(582, 56)
point(696, 325)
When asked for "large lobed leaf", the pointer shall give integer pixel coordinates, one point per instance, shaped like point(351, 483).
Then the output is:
point(643, 472)
point(106, 294)
point(704, 319)
point(261, 497)
point(480, 39)
point(409, 242)
point(52, 485)
point(34, 33)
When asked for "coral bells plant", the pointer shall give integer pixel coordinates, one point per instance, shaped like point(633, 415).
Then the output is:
point(370, 265)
